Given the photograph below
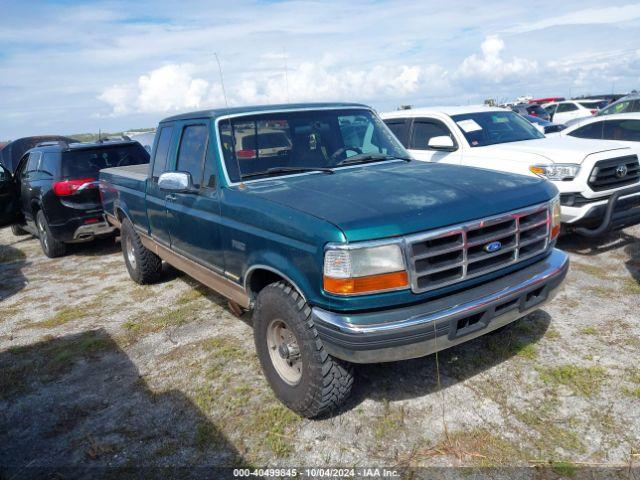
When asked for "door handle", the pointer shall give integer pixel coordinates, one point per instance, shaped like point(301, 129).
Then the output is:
point(171, 197)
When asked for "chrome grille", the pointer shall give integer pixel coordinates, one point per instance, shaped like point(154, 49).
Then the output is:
point(450, 255)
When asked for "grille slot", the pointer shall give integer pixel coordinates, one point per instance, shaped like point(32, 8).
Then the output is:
point(453, 254)
point(604, 176)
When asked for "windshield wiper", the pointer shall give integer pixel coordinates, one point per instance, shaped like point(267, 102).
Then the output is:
point(370, 157)
point(275, 170)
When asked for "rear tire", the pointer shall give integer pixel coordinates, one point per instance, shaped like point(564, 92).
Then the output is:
point(300, 371)
point(18, 231)
point(143, 265)
point(51, 247)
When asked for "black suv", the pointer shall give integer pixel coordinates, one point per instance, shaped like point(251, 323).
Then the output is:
point(54, 193)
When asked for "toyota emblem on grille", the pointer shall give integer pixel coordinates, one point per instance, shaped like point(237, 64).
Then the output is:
point(492, 247)
point(621, 171)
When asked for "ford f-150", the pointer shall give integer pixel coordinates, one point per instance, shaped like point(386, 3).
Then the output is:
point(346, 250)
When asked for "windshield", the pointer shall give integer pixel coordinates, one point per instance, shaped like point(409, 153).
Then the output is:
point(490, 128)
point(87, 163)
point(286, 142)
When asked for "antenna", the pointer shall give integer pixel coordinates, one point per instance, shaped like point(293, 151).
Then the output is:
point(224, 92)
point(286, 73)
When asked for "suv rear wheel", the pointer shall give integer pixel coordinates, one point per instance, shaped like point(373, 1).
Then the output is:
point(143, 265)
point(51, 247)
point(300, 371)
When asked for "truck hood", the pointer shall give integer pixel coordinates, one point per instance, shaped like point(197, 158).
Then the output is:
point(388, 199)
point(557, 149)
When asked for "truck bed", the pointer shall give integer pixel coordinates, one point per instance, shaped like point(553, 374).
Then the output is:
point(126, 187)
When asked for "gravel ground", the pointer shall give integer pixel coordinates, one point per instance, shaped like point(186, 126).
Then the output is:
point(96, 371)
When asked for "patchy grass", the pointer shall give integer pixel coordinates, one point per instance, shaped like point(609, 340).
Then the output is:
point(146, 322)
point(208, 436)
point(564, 469)
point(62, 316)
point(275, 422)
point(589, 331)
point(600, 273)
point(62, 357)
point(389, 423)
point(585, 381)
point(602, 291)
point(631, 286)
point(480, 447)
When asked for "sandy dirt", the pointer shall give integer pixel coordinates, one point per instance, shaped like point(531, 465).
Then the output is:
point(96, 371)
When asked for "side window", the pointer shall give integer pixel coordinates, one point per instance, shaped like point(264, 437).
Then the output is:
point(425, 130)
point(628, 130)
point(31, 167)
point(162, 152)
point(49, 164)
point(618, 107)
point(566, 107)
point(400, 129)
point(193, 146)
point(593, 130)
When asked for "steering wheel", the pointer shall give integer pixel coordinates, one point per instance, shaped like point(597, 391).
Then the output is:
point(342, 150)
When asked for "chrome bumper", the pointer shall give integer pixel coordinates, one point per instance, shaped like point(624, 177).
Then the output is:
point(422, 329)
point(92, 230)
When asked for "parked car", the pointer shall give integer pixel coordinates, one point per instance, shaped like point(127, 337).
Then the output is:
point(628, 104)
point(545, 126)
point(11, 154)
point(620, 127)
point(56, 191)
point(346, 250)
point(561, 112)
point(543, 100)
point(533, 110)
point(595, 196)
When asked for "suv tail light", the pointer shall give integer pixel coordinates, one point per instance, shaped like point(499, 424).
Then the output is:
point(69, 187)
point(246, 154)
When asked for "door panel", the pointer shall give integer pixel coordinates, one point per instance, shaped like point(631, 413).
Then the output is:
point(156, 203)
point(194, 218)
point(8, 198)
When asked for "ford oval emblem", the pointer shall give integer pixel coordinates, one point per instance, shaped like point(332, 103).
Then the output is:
point(492, 247)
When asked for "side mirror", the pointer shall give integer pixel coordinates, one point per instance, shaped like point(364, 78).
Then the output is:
point(443, 142)
point(177, 182)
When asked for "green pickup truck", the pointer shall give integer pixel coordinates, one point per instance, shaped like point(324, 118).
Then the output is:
point(347, 251)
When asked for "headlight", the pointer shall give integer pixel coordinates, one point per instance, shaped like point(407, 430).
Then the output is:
point(556, 171)
point(351, 270)
point(554, 231)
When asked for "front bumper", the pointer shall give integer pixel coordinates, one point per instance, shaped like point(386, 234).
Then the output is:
point(422, 329)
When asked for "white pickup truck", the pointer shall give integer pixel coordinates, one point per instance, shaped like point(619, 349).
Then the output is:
point(599, 181)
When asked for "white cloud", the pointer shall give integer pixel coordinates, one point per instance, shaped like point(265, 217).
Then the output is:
point(490, 66)
point(165, 89)
point(173, 87)
point(588, 16)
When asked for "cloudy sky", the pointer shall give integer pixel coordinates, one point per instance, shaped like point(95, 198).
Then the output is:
point(72, 66)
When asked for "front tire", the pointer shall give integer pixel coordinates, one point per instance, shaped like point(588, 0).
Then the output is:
point(18, 231)
point(143, 265)
point(300, 371)
point(51, 247)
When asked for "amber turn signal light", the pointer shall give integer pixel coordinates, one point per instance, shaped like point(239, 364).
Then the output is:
point(368, 284)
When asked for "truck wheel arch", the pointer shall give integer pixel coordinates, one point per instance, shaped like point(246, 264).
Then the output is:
point(259, 276)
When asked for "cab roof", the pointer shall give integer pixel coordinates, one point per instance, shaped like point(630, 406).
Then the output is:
point(221, 112)
point(446, 110)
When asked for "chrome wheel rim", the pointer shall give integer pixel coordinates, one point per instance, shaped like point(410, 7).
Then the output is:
point(131, 256)
point(284, 352)
point(43, 235)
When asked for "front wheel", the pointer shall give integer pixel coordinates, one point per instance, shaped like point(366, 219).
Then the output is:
point(51, 247)
point(300, 371)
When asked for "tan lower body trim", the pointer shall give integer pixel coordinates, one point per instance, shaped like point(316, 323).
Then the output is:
point(214, 281)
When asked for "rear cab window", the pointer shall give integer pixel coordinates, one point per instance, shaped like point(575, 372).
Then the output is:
point(87, 162)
